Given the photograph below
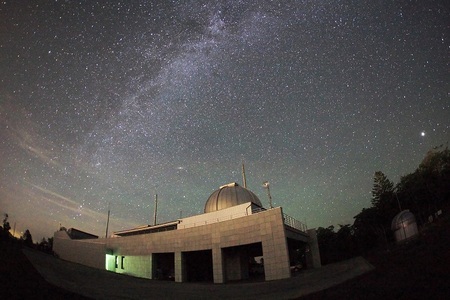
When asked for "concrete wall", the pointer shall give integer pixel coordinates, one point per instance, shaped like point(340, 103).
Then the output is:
point(313, 256)
point(265, 227)
point(86, 252)
point(138, 266)
point(274, 244)
point(234, 212)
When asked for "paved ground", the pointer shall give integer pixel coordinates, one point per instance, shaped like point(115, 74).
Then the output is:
point(100, 284)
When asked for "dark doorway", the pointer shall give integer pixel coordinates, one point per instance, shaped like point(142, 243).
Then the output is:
point(297, 255)
point(163, 266)
point(244, 262)
point(198, 266)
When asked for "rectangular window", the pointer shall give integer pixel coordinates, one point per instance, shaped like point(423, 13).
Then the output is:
point(122, 264)
point(117, 262)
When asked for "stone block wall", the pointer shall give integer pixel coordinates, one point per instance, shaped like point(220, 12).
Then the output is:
point(86, 252)
point(266, 227)
point(138, 266)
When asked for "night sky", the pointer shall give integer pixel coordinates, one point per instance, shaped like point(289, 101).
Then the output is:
point(105, 103)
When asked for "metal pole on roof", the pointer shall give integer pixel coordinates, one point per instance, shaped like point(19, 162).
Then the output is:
point(107, 221)
point(156, 209)
point(244, 179)
point(266, 185)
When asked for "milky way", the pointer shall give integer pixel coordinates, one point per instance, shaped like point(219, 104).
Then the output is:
point(106, 103)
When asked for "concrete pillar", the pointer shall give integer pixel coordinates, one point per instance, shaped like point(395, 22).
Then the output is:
point(218, 264)
point(274, 244)
point(313, 256)
point(180, 272)
point(151, 264)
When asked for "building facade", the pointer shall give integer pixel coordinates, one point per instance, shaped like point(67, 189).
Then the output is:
point(235, 239)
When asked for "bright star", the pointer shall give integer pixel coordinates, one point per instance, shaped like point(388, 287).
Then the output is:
point(422, 133)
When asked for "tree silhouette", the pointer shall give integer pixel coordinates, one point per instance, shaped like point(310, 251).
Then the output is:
point(370, 229)
point(427, 189)
point(6, 226)
point(346, 242)
point(382, 189)
point(336, 246)
point(423, 192)
point(326, 239)
point(27, 238)
point(4, 230)
point(46, 245)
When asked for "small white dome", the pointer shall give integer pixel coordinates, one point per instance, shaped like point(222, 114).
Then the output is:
point(403, 219)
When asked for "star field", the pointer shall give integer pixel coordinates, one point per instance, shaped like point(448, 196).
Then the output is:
point(105, 103)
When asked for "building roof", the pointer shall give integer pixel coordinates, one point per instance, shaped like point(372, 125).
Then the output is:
point(172, 225)
point(230, 195)
point(77, 234)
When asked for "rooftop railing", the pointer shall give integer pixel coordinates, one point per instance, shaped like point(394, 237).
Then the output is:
point(294, 223)
point(288, 220)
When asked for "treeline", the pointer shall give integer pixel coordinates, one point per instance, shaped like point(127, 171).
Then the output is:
point(425, 192)
point(45, 245)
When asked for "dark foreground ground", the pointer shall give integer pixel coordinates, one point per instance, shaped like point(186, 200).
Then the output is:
point(418, 270)
point(20, 280)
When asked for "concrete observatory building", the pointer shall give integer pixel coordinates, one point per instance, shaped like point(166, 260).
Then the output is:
point(234, 239)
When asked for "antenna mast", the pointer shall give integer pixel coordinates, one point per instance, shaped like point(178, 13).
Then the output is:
point(156, 209)
point(107, 222)
point(266, 186)
point(244, 179)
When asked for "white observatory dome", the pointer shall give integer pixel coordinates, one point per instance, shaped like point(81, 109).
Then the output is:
point(230, 195)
